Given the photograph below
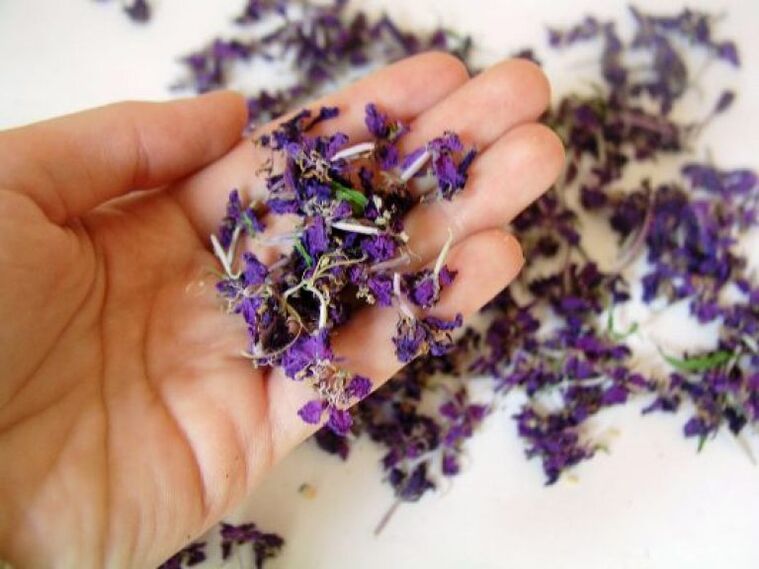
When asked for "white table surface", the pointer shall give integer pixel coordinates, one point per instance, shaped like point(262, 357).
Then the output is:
point(653, 502)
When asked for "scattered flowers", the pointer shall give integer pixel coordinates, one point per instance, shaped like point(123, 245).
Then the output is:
point(264, 546)
point(321, 43)
point(552, 336)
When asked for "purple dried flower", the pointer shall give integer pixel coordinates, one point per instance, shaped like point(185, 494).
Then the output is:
point(695, 427)
point(255, 272)
point(304, 352)
point(319, 42)
point(450, 465)
point(339, 421)
point(380, 247)
point(231, 219)
point(415, 337)
point(589, 28)
point(138, 10)
point(311, 412)
point(264, 545)
point(332, 443)
point(315, 238)
point(424, 287)
point(409, 339)
point(724, 102)
point(256, 10)
point(191, 555)
point(554, 440)
point(359, 387)
point(377, 123)
point(381, 287)
point(451, 174)
point(412, 487)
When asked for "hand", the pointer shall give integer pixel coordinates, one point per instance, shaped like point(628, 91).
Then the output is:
point(129, 424)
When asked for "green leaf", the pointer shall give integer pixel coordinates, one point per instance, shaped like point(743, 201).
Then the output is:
point(247, 223)
point(701, 443)
point(357, 200)
point(618, 336)
point(699, 363)
point(303, 253)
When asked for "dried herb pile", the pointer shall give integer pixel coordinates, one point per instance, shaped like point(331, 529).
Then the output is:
point(137, 10)
point(347, 251)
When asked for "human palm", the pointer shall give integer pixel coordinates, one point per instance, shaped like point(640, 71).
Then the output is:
point(129, 422)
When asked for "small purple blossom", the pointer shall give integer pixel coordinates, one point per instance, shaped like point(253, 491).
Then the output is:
point(380, 247)
point(451, 173)
point(231, 219)
point(138, 10)
point(377, 123)
point(191, 555)
point(381, 287)
point(424, 287)
point(311, 412)
point(431, 335)
point(339, 421)
point(315, 238)
point(359, 387)
point(305, 351)
point(264, 545)
point(255, 272)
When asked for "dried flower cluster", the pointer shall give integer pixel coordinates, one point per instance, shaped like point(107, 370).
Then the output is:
point(137, 10)
point(346, 250)
point(687, 228)
point(263, 546)
point(320, 42)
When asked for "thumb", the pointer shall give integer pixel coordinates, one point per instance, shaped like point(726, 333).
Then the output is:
point(71, 164)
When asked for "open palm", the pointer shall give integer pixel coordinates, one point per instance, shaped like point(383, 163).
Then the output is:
point(129, 423)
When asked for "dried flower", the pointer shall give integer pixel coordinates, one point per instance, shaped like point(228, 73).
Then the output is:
point(264, 545)
point(350, 233)
point(191, 555)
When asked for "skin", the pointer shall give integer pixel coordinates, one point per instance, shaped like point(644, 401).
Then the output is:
point(129, 423)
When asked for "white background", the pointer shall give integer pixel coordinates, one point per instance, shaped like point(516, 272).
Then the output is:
point(653, 502)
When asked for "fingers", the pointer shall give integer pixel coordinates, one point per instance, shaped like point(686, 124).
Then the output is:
point(71, 164)
point(512, 92)
point(503, 180)
point(406, 89)
point(517, 160)
point(486, 263)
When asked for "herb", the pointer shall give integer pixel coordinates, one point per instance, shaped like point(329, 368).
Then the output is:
point(264, 545)
point(335, 265)
point(193, 554)
point(138, 10)
point(619, 336)
point(701, 363)
point(357, 200)
point(303, 253)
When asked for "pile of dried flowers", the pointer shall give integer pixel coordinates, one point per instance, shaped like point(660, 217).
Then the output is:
point(348, 250)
